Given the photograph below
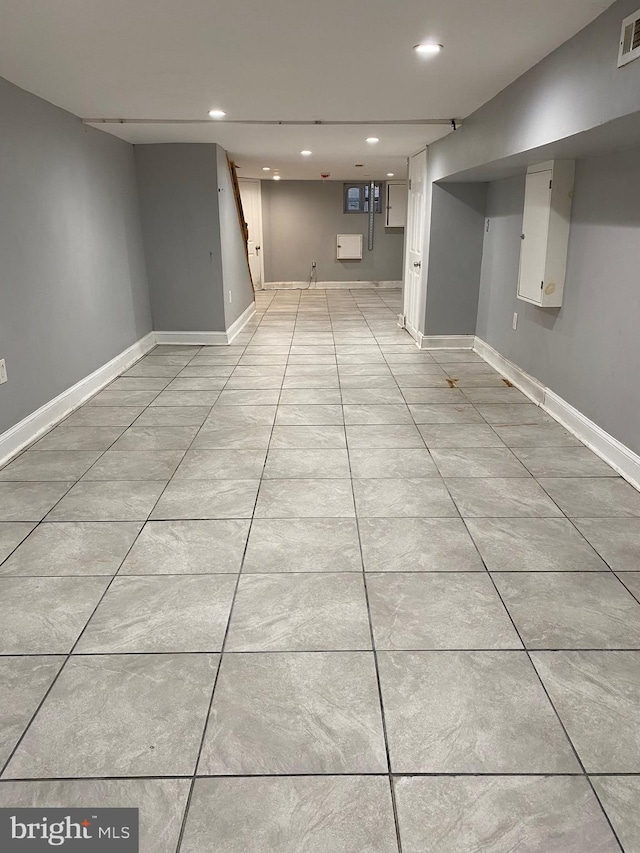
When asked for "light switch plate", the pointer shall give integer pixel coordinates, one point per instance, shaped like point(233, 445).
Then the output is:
point(3, 371)
point(515, 321)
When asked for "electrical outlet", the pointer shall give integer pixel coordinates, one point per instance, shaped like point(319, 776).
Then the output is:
point(230, 297)
point(313, 265)
point(515, 320)
point(3, 371)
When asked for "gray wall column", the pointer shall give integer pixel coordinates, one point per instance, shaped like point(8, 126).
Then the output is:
point(180, 221)
point(198, 273)
point(455, 258)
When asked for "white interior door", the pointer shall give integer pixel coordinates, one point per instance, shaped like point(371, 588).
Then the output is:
point(415, 240)
point(251, 196)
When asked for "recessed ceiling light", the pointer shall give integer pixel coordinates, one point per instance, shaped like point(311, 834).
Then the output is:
point(276, 177)
point(306, 153)
point(427, 49)
point(372, 140)
point(217, 113)
point(266, 168)
point(389, 174)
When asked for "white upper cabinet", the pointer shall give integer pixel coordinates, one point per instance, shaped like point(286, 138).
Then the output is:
point(545, 232)
point(396, 207)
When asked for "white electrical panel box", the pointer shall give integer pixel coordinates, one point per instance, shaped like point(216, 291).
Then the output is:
point(349, 247)
point(545, 232)
point(396, 208)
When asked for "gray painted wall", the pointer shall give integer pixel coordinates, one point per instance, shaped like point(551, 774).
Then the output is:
point(193, 242)
point(300, 222)
point(455, 255)
point(566, 100)
point(587, 351)
point(235, 268)
point(73, 286)
point(575, 88)
point(180, 221)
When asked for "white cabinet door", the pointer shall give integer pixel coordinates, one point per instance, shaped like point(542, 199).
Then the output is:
point(535, 235)
point(349, 247)
point(396, 205)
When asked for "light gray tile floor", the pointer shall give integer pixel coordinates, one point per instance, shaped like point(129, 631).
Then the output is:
point(321, 591)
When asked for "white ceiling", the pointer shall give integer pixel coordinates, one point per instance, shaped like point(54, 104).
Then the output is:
point(287, 60)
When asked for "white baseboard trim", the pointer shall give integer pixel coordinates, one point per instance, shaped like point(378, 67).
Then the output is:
point(238, 325)
point(208, 339)
point(195, 339)
point(43, 419)
point(331, 285)
point(621, 458)
point(446, 341)
point(37, 423)
point(530, 386)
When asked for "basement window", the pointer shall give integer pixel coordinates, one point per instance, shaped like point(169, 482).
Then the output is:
point(356, 197)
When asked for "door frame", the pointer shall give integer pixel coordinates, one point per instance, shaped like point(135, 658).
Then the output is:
point(258, 182)
point(420, 297)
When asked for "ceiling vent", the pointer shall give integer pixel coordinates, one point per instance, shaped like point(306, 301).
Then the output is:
point(629, 39)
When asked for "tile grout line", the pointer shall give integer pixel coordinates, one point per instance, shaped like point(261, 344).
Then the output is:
point(601, 572)
point(392, 792)
point(369, 774)
point(187, 807)
point(551, 703)
point(264, 652)
point(189, 798)
point(428, 449)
